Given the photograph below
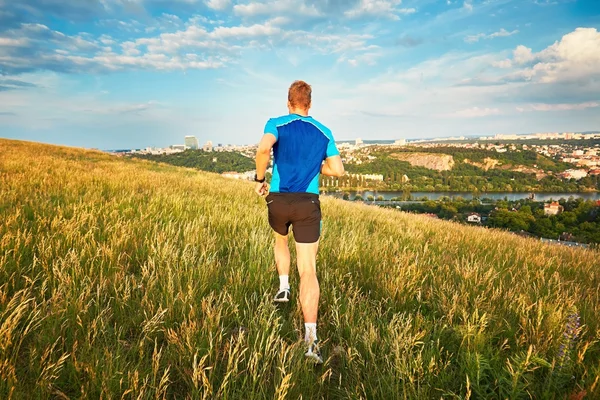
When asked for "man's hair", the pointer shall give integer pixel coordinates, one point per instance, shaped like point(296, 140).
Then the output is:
point(299, 95)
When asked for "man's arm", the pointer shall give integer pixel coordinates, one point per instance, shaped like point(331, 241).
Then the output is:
point(333, 166)
point(263, 154)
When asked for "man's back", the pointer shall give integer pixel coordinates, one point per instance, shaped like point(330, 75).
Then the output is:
point(302, 143)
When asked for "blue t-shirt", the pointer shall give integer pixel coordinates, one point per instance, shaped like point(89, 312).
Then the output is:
point(302, 145)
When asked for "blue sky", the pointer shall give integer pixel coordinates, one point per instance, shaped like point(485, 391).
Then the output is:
point(134, 73)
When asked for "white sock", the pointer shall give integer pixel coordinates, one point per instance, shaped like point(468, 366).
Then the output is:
point(310, 334)
point(284, 282)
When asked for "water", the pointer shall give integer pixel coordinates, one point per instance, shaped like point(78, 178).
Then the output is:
point(468, 195)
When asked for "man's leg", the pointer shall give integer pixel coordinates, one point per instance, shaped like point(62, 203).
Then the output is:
point(282, 261)
point(309, 295)
point(309, 285)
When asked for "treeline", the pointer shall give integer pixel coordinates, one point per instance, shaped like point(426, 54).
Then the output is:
point(579, 222)
point(465, 177)
point(205, 161)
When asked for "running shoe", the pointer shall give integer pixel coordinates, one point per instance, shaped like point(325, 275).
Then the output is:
point(283, 296)
point(313, 353)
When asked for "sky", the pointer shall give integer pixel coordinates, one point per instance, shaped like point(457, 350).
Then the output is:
point(117, 74)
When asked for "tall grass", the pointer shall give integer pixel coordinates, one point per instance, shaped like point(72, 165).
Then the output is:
point(127, 279)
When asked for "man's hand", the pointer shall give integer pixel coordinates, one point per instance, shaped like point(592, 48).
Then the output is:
point(261, 188)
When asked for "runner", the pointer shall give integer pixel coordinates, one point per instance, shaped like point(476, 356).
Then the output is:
point(300, 145)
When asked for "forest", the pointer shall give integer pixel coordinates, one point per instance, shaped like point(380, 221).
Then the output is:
point(205, 161)
point(578, 222)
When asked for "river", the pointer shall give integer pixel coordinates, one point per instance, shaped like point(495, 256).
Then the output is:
point(468, 195)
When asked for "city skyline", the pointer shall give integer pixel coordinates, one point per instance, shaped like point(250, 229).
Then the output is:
point(116, 74)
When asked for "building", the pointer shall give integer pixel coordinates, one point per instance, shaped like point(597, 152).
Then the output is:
point(576, 174)
point(400, 142)
point(358, 142)
point(474, 218)
point(191, 142)
point(368, 177)
point(178, 147)
point(587, 163)
point(594, 172)
point(553, 208)
point(208, 146)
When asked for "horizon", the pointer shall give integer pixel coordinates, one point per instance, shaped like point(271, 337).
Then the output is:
point(116, 74)
point(467, 138)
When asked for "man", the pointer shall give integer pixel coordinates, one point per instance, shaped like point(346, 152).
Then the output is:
point(300, 145)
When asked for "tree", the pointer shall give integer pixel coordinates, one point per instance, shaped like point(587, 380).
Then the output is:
point(447, 211)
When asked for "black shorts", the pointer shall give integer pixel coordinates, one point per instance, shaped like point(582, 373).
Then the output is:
point(301, 210)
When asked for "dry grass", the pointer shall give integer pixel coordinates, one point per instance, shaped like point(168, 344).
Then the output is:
point(127, 279)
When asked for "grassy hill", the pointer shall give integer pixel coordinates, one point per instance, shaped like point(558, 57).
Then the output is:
point(205, 161)
point(122, 278)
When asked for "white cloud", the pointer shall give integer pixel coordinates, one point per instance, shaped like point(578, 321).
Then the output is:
point(378, 8)
point(218, 4)
point(467, 5)
point(474, 112)
point(26, 49)
point(559, 107)
point(474, 38)
point(501, 33)
point(575, 58)
point(522, 55)
point(13, 42)
point(366, 58)
point(502, 64)
point(278, 7)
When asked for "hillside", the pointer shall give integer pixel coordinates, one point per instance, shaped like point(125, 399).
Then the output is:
point(205, 161)
point(123, 277)
point(438, 162)
point(463, 170)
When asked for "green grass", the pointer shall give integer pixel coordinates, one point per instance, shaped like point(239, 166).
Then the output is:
point(128, 279)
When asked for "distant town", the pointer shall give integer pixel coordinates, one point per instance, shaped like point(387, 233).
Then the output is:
point(570, 147)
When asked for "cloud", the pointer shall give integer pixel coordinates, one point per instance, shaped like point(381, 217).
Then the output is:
point(131, 108)
point(558, 107)
point(474, 112)
point(276, 7)
point(478, 82)
point(14, 84)
point(196, 45)
point(522, 55)
point(468, 5)
point(45, 49)
point(218, 4)
point(502, 64)
point(501, 33)
point(378, 8)
point(366, 58)
point(575, 58)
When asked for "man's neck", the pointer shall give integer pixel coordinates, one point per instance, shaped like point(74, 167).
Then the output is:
point(301, 112)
